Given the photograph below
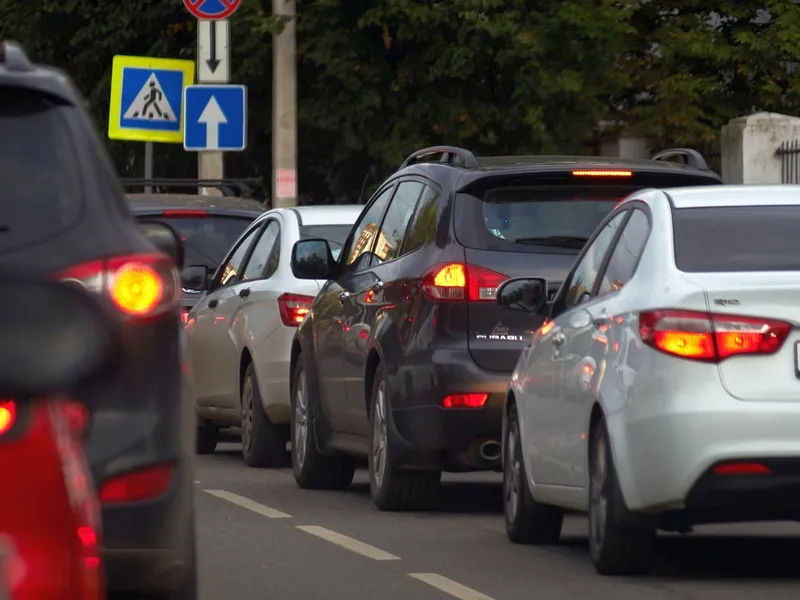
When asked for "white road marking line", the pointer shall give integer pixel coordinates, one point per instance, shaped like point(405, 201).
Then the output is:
point(264, 511)
point(348, 543)
point(450, 587)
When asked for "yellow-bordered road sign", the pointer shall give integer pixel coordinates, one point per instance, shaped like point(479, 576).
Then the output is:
point(147, 98)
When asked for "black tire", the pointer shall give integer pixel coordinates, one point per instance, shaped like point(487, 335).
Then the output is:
point(312, 469)
point(207, 438)
point(263, 442)
point(527, 521)
point(616, 548)
point(394, 489)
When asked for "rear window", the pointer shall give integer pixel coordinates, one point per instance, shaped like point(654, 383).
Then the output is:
point(736, 239)
point(206, 240)
point(41, 194)
point(555, 216)
point(335, 234)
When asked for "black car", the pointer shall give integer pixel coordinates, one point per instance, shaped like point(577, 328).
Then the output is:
point(208, 226)
point(405, 357)
point(64, 216)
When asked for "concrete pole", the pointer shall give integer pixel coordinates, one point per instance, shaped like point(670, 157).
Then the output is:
point(284, 109)
point(210, 166)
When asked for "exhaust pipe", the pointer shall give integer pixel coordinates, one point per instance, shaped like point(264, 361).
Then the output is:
point(490, 450)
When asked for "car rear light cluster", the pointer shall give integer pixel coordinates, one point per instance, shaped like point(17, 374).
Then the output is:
point(742, 468)
point(141, 285)
point(8, 415)
point(710, 337)
point(458, 282)
point(293, 308)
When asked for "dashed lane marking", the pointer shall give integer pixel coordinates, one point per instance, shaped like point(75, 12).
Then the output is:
point(264, 511)
point(450, 587)
point(348, 543)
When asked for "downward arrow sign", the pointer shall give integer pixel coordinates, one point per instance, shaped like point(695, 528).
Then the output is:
point(212, 61)
point(212, 116)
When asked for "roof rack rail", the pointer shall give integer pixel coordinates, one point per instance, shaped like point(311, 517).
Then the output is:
point(13, 56)
point(243, 188)
point(692, 157)
point(450, 155)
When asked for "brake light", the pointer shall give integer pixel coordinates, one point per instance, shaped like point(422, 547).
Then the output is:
point(8, 415)
point(472, 400)
point(293, 308)
point(602, 173)
point(144, 484)
point(710, 337)
point(456, 282)
point(742, 468)
point(185, 213)
point(139, 285)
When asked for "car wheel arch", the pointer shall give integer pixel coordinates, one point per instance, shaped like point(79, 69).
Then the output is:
point(374, 360)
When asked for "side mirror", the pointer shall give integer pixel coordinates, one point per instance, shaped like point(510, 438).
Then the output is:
point(312, 259)
point(164, 238)
point(196, 278)
point(55, 337)
point(526, 294)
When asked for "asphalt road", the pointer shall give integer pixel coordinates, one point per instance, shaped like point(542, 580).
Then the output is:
point(260, 537)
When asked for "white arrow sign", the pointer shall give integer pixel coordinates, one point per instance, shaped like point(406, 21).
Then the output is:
point(212, 116)
point(213, 51)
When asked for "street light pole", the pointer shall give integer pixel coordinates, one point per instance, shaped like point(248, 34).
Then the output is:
point(284, 108)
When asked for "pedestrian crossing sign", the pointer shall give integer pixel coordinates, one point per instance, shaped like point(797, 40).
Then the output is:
point(147, 97)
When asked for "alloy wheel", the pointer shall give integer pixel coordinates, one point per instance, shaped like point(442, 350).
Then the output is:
point(598, 502)
point(300, 421)
point(247, 413)
point(511, 477)
point(379, 435)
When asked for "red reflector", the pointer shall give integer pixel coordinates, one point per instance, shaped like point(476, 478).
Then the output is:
point(144, 484)
point(185, 213)
point(465, 400)
point(8, 414)
point(710, 337)
point(602, 173)
point(457, 282)
point(185, 314)
point(293, 308)
point(742, 468)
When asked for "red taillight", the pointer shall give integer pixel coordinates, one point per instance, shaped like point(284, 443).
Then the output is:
point(473, 400)
point(457, 282)
point(144, 484)
point(742, 468)
point(294, 308)
point(602, 173)
point(710, 337)
point(185, 213)
point(8, 415)
point(140, 285)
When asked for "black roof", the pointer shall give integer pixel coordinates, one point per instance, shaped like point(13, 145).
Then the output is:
point(147, 204)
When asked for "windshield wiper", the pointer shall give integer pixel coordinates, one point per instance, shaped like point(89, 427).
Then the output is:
point(563, 241)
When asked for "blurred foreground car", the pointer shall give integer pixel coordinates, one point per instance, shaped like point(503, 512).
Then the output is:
point(240, 332)
point(64, 216)
point(663, 390)
point(405, 356)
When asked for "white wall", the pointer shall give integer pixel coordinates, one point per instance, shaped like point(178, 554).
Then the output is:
point(750, 144)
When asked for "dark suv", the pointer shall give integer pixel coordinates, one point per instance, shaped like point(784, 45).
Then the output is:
point(63, 215)
point(405, 357)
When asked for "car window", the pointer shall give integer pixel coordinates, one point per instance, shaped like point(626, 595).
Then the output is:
point(584, 275)
point(336, 235)
point(262, 262)
point(232, 267)
point(625, 257)
point(393, 228)
point(422, 229)
point(366, 230)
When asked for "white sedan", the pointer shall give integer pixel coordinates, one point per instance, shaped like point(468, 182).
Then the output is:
point(240, 331)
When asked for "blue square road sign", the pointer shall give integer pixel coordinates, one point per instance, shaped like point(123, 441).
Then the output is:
point(215, 118)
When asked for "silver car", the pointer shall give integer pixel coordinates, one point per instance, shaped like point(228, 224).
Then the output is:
point(664, 390)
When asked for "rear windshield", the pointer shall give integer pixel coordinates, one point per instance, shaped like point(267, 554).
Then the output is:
point(736, 238)
point(554, 217)
point(41, 194)
point(335, 234)
point(206, 240)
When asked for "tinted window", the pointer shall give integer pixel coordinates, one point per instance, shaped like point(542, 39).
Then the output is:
point(583, 278)
point(737, 238)
point(625, 257)
point(393, 228)
point(41, 192)
point(266, 254)
point(206, 240)
point(335, 234)
point(425, 221)
point(232, 267)
point(366, 231)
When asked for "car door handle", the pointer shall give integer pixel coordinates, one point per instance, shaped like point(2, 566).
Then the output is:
point(377, 286)
point(244, 293)
point(344, 296)
point(212, 304)
point(558, 340)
